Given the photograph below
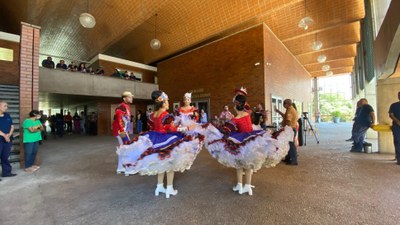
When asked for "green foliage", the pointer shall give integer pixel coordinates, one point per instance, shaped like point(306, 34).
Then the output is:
point(334, 104)
point(336, 113)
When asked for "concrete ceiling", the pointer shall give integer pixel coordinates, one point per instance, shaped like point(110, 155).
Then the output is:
point(125, 27)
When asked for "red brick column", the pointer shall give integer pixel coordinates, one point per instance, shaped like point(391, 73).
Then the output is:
point(29, 75)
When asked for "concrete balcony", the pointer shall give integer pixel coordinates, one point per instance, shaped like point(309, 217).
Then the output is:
point(76, 83)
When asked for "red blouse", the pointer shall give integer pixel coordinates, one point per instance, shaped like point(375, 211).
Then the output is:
point(243, 124)
point(159, 126)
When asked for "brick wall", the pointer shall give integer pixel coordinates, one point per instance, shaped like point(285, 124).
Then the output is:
point(9, 71)
point(29, 73)
point(284, 75)
point(216, 69)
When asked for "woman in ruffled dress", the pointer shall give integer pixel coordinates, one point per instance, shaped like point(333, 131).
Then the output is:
point(165, 149)
point(236, 144)
point(188, 112)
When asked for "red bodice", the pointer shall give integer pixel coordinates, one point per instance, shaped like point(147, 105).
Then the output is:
point(243, 124)
point(189, 112)
point(158, 124)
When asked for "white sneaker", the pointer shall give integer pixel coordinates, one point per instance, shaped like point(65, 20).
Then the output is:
point(238, 188)
point(159, 188)
point(119, 171)
point(170, 191)
point(247, 189)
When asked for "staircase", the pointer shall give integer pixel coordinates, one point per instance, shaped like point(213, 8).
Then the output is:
point(10, 94)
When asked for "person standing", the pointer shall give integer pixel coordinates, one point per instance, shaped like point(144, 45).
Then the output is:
point(225, 115)
point(82, 122)
point(364, 120)
point(121, 123)
point(394, 114)
point(139, 121)
point(6, 131)
point(260, 117)
point(290, 119)
point(32, 135)
point(68, 121)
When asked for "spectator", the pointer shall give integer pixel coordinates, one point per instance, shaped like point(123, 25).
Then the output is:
point(61, 65)
point(6, 134)
point(149, 112)
point(73, 67)
point(394, 114)
point(59, 122)
point(82, 122)
point(90, 70)
point(77, 123)
point(32, 129)
point(82, 68)
point(68, 121)
point(260, 117)
point(93, 123)
point(139, 122)
point(364, 120)
point(290, 119)
point(116, 73)
point(48, 63)
point(354, 119)
point(225, 115)
point(203, 116)
point(43, 119)
point(100, 71)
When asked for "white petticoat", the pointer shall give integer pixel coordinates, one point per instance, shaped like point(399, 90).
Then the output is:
point(180, 159)
point(262, 151)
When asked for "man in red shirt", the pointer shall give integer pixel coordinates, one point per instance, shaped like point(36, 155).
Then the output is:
point(121, 124)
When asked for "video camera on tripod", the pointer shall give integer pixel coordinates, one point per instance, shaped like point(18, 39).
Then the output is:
point(307, 125)
point(305, 114)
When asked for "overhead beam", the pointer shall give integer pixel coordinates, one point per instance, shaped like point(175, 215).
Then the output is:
point(328, 61)
point(326, 49)
point(321, 30)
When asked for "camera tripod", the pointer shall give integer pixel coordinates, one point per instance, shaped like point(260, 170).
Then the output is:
point(306, 122)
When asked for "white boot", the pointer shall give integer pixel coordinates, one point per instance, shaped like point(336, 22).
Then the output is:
point(170, 191)
point(160, 188)
point(238, 188)
point(247, 188)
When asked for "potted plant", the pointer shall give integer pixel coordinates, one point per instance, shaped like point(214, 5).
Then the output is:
point(336, 116)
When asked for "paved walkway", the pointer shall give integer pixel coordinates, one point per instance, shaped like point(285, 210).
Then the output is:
point(77, 184)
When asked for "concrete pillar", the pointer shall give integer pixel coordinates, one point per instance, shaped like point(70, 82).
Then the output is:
point(315, 98)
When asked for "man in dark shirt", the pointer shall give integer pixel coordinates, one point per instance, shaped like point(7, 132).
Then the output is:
point(394, 114)
point(48, 63)
point(6, 131)
point(364, 120)
point(61, 65)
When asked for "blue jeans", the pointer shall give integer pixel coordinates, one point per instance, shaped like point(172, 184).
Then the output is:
point(139, 126)
point(396, 140)
point(30, 150)
point(358, 135)
point(292, 154)
point(5, 148)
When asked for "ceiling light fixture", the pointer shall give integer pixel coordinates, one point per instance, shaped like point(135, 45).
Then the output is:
point(306, 21)
point(329, 73)
point(86, 19)
point(325, 68)
point(321, 58)
point(155, 43)
point(316, 45)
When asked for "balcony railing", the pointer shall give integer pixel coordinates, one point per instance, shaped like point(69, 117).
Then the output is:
point(76, 83)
